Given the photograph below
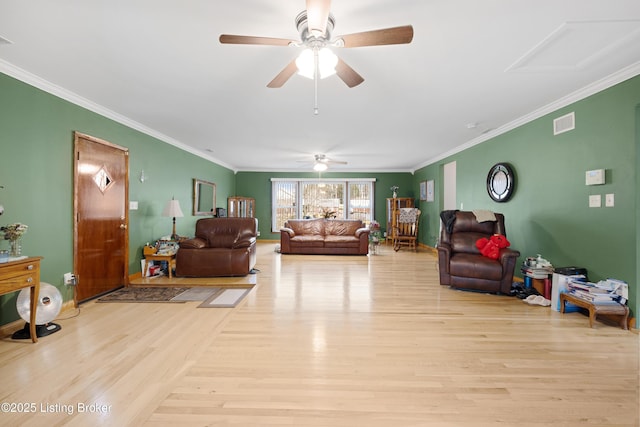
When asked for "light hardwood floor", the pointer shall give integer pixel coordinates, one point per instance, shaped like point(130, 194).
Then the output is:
point(328, 341)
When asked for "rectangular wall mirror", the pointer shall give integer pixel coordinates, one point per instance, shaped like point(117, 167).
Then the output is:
point(204, 197)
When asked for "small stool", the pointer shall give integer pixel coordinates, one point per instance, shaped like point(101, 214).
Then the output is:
point(595, 309)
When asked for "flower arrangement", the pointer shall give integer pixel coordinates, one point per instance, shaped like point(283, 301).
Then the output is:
point(374, 225)
point(13, 232)
point(328, 213)
point(395, 189)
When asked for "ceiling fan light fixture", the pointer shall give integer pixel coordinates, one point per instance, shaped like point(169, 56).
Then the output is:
point(327, 61)
point(320, 167)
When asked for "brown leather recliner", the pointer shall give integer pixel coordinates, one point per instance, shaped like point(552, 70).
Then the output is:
point(460, 262)
point(221, 247)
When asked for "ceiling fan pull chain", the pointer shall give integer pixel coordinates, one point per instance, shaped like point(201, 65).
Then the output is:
point(316, 71)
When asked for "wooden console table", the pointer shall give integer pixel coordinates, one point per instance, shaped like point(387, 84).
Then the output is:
point(20, 274)
point(594, 309)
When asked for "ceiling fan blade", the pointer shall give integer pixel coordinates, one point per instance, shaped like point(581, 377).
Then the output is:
point(266, 41)
point(284, 75)
point(395, 35)
point(317, 16)
point(347, 74)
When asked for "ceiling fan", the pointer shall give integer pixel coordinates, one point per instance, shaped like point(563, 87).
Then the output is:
point(321, 162)
point(315, 25)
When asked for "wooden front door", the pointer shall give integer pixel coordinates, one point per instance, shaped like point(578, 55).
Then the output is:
point(101, 238)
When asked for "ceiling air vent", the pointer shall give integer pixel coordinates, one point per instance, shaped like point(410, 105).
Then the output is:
point(564, 124)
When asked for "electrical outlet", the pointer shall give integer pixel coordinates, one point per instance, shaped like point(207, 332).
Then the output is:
point(69, 279)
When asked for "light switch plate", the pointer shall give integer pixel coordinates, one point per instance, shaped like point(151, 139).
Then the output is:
point(133, 205)
point(609, 200)
point(595, 201)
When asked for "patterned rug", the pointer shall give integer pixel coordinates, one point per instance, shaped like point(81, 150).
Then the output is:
point(158, 294)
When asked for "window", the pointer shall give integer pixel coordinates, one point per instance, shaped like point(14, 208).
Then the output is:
point(328, 198)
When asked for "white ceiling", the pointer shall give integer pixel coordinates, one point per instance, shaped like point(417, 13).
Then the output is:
point(157, 65)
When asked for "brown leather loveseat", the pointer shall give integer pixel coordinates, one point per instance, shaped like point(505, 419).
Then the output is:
point(221, 247)
point(324, 236)
point(460, 262)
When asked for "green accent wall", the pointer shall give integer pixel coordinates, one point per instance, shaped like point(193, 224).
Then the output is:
point(258, 186)
point(547, 215)
point(549, 212)
point(36, 170)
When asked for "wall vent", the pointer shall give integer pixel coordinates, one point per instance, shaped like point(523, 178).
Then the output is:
point(564, 124)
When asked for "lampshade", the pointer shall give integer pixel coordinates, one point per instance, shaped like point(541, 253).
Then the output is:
point(320, 167)
point(172, 208)
point(327, 61)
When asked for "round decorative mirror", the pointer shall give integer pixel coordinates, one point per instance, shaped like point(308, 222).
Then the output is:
point(500, 182)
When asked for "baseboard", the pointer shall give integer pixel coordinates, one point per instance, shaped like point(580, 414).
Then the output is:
point(428, 248)
point(135, 276)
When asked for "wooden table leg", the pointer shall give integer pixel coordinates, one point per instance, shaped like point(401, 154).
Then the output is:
point(35, 290)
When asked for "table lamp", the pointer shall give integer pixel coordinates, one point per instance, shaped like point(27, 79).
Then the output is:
point(172, 209)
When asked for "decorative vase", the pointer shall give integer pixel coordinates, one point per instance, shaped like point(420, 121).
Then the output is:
point(395, 195)
point(16, 248)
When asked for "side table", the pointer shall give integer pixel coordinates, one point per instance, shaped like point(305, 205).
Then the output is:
point(169, 258)
point(375, 237)
point(24, 273)
point(595, 309)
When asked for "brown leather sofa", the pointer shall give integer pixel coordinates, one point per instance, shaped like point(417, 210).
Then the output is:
point(221, 247)
point(460, 263)
point(324, 236)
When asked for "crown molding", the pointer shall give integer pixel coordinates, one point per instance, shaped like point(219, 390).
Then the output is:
point(591, 89)
point(53, 89)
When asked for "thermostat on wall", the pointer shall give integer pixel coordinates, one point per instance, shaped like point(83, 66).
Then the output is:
point(595, 177)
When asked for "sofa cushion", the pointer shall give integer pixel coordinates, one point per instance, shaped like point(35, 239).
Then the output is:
point(341, 241)
point(342, 227)
point(308, 240)
point(475, 266)
point(306, 226)
point(466, 242)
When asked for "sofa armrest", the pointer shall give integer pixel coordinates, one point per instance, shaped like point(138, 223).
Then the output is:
point(289, 231)
point(245, 242)
point(366, 230)
point(506, 253)
point(195, 243)
point(444, 255)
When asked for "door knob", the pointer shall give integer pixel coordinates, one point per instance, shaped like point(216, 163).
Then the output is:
point(123, 226)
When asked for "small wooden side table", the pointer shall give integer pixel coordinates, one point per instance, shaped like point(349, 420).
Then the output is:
point(594, 309)
point(23, 273)
point(170, 258)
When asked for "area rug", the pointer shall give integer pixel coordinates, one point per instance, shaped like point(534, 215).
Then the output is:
point(228, 298)
point(148, 294)
point(199, 293)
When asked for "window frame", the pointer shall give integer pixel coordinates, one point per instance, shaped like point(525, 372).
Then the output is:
point(300, 182)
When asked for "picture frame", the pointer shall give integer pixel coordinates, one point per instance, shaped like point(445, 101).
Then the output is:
point(430, 191)
point(423, 190)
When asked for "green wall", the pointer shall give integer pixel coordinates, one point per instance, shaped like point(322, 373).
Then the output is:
point(548, 213)
point(36, 170)
point(258, 186)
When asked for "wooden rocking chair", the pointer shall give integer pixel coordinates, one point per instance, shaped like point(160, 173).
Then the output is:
point(405, 228)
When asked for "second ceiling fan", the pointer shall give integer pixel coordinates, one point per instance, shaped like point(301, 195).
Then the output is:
point(315, 26)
